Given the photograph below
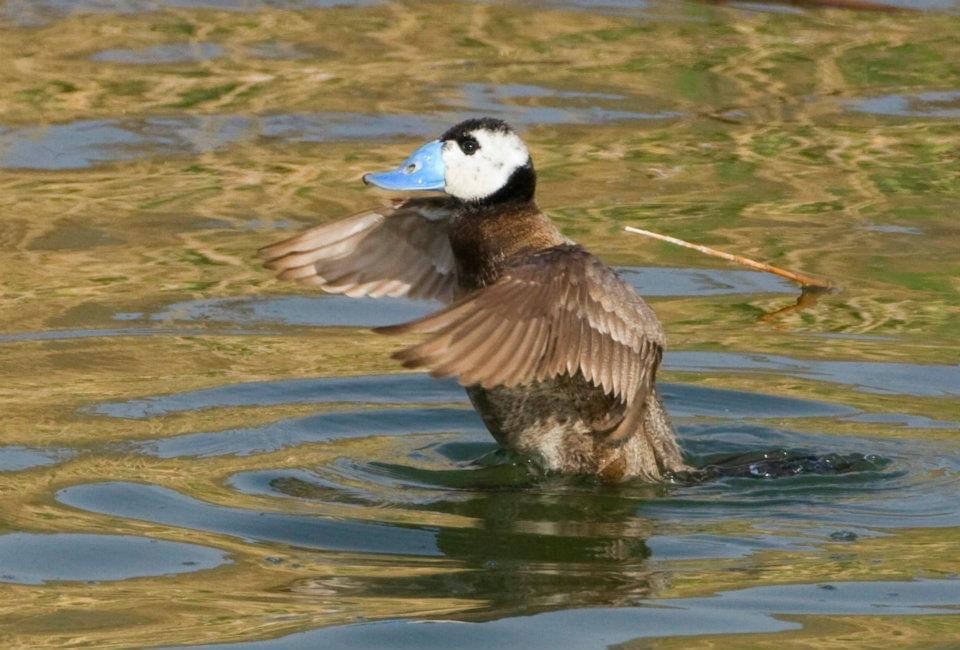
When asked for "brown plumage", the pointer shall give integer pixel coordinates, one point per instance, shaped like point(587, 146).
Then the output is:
point(552, 312)
point(401, 250)
point(557, 353)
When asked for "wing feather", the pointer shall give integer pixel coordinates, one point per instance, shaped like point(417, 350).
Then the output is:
point(399, 251)
point(554, 312)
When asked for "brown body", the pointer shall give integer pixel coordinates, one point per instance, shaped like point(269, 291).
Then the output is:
point(481, 239)
point(563, 422)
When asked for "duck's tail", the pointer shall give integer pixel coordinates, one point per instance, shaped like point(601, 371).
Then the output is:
point(651, 452)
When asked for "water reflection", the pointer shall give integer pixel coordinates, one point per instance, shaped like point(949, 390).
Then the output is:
point(37, 12)
point(15, 458)
point(553, 545)
point(85, 143)
point(31, 558)
point(866, 376)
point(161, 505)
point(765, 609)
point(315, 428)
point(941, 105)
point(683, 401)
point(341, 311)
point(169, 53)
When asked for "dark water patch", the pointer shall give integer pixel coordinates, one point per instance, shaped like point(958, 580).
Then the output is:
point(788, 478)
point(65, 335)
point(543, 543)
point(712, 443)
point(164, 506)
point(280, 50)
point(316, 311)
point(781, 476)
point(893, 229)
point(507, 101)
point(937, 105)
point(602, 7)
point(800, 8)
point(582, 107)
point(538, 543)
point(731, 612)
point(375, 389)
point(33, 559)
point(299, 484)
point(84, 143)
point(649, 9)
point(788, 7)
point(683, 400)
point(315, 428)
point(486, 468)
point(640, 8)
point(932, 5)
point(15, 458)
point(768, 7)
point(865, 376)
point(665, 281)
point(343, 311)
point(327, 127)
point(783, 463)
point(905, 420)
point(718, 547)
point(39, 12)
point(157, 54)
point(851, 336)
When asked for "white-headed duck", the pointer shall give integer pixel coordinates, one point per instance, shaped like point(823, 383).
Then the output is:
point(558, 354)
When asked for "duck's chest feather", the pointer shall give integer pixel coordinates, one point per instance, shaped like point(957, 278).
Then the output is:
point(482, 238)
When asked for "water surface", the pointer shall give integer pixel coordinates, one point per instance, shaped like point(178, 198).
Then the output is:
point(193, 454)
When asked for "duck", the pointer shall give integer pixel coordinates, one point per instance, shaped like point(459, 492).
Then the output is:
point(557, 354)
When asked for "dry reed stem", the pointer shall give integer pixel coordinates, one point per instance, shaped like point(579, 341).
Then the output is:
point(799, 278)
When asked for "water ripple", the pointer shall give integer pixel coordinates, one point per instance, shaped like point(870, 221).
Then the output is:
point(165, 506)
point(315, 428)
point(922, 380)
point(39, 12)
point(754, 610)
point(166, 53)
point(15, 458)
point(32, 558)
point(939, 105)
point(84, 143)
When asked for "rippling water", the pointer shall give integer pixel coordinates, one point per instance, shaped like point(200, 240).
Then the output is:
point(194, 454)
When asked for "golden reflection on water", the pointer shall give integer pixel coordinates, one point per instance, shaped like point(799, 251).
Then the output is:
point(758, 149)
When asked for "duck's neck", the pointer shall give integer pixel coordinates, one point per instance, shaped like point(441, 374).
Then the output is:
point(483, 236)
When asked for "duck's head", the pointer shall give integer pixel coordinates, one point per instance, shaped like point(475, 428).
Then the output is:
point(480, 161)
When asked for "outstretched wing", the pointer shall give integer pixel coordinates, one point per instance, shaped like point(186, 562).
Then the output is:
point(398, 251)
point(550, 313)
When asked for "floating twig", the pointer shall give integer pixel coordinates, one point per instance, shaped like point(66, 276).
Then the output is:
point(799, 278)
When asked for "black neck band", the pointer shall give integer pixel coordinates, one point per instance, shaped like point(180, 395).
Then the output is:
point(519, 188)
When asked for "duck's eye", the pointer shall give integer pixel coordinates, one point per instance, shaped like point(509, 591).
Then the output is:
point(468, 146)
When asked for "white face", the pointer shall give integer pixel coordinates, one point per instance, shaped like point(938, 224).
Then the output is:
point(472, 177)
